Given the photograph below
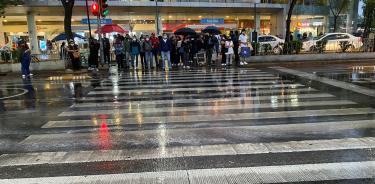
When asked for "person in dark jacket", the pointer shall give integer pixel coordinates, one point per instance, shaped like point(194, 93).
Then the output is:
point(174, 53)
point(155, 48)
point(234, 36)
point(94, 53)
point(147, 47)
point(193, 50)
point(128, 55)
point(165, 49)
point(223, 50)
point(135, 49)
point(107, 50)
point(74, 55)
point(119, 52)
point(63, 50)
point(209, 43)
point(24, 55)
point(142, 52)
point(185, 45)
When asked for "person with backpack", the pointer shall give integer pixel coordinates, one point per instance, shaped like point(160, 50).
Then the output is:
point(147, 47)
point(119, 52)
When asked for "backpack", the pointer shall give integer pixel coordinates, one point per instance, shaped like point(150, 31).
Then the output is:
point(181, 50)
point(119, 48)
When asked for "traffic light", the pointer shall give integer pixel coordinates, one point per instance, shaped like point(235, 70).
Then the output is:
point(95, 9)
point(105, 10)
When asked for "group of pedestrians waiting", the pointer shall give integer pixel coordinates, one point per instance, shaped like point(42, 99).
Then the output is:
point(174, 51)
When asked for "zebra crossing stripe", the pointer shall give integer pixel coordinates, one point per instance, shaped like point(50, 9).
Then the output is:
point(249, 175)
point(185, 151)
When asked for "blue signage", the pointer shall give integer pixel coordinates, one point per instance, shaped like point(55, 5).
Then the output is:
point(95, 21)
point(212, 21)
point(43, 45)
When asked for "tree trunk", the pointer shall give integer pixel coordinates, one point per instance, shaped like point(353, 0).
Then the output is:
point(68, 8)
point(288, 21)
point(335, 23)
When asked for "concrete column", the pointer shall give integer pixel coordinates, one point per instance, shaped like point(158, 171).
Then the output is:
point(31, 25)
point(278, 24)
point(2, 37)
point(158, 24)
point(257, 23)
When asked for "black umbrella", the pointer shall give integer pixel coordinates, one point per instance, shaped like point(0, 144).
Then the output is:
point(63, 36)
point(185, 31)
point(211, 30)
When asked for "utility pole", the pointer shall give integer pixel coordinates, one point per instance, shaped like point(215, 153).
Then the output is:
point(88, 17)
point(100, 33)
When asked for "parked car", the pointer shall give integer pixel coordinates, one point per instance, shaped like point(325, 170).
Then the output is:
point(333, 42)
point(274, 41)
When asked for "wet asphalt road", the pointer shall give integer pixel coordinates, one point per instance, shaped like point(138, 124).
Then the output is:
point(310, 124)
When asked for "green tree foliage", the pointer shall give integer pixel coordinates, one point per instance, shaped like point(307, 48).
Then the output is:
point(6, 3)
point(338, 7)
point(291, 4)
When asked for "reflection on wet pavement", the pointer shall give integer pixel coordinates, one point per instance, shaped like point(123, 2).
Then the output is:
point(198, 126)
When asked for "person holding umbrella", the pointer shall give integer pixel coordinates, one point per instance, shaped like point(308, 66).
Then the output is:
point(165, 48)
point(74, 55)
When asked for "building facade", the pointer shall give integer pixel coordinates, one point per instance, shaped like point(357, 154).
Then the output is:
point(43, 19)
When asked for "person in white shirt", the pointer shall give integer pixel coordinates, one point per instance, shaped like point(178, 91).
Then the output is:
point(243, 43)
point(229, 46)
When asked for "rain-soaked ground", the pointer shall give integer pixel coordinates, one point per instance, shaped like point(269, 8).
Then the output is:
point(291, 124)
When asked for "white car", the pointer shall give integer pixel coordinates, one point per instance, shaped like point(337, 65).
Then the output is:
point(274, 41)
point(333, 41)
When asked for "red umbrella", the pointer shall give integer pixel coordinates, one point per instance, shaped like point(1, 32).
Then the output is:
point(109, 28)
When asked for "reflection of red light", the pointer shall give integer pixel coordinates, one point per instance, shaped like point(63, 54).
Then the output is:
point(104, 137)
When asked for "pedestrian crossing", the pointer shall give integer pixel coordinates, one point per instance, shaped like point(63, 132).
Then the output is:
point(198, 126)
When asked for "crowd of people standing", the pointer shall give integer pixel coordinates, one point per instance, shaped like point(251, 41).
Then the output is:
point(173, 51)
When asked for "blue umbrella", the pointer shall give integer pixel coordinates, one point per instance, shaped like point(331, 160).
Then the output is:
point(62, 36)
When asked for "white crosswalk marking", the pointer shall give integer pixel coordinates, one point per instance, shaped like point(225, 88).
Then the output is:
point(251, 175)
point(235, 126)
